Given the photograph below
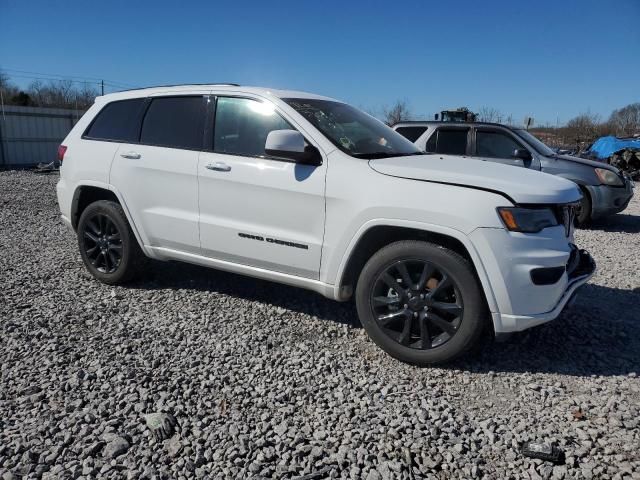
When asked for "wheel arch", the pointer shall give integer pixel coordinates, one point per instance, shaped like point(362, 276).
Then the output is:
point(376, 235)
point(87, 193)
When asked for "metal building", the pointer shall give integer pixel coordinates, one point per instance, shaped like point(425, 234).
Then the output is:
point(31, 135)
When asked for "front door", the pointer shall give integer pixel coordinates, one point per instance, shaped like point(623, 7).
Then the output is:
point(254, 209)
point(498, 146)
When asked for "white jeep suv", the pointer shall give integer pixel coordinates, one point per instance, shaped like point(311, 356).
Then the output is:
point(309, 191)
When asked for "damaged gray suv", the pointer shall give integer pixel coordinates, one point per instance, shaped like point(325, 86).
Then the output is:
point(605, 190)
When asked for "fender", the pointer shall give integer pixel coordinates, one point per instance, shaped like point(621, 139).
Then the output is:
point(426, 227)
point(107, 186)
point(584, 185)
point(577, 181)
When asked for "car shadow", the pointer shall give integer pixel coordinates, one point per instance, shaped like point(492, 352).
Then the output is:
point(178, 276)
point(621, 222)
point(598, 335)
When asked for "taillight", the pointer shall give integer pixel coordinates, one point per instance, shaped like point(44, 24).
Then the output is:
point(61, 151)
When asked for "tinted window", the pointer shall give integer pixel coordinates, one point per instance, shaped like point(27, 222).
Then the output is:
point(495, 144)
point(448, 141)
point(117, 121)
point(242, 126)
point(411, 133)
point(174, 122)
point(431, 143)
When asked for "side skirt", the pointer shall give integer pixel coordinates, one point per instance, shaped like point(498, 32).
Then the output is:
point(323, 289)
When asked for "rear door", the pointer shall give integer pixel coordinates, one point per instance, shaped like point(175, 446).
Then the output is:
point(449, 141)
point(158, 173)
point(117, 122)
point(412, 132)
point(255, 209)
point(497, 145)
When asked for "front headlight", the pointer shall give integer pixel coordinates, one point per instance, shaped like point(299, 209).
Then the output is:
point(527, 220)
point(607, 177)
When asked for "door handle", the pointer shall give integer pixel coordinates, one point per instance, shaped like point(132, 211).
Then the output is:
point(132, 155)
point(218, 167)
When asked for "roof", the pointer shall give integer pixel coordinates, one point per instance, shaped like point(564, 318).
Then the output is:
point(217, 87)
point(417, 123)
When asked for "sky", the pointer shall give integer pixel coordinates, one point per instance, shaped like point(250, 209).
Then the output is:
point(549, 59)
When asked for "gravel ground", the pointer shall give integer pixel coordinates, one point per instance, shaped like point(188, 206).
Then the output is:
point(270, 381)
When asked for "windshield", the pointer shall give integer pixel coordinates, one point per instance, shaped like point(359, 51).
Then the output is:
point(537, 144)
point(352, 131)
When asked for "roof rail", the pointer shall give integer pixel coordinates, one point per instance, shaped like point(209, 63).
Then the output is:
point(181, 85)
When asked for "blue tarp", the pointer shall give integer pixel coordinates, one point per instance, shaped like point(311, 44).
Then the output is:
point(604, 147)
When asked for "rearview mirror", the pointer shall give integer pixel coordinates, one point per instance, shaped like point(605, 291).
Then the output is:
point(290, 144)
point(522, 154)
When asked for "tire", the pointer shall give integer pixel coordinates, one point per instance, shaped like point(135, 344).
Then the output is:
point(108, 247)
point(461, 294)
point(584, 214)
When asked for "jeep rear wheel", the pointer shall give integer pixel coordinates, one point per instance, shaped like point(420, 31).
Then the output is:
point(107, 244)
point(420, 302)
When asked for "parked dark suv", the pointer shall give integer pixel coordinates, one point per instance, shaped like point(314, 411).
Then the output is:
point(605, 190)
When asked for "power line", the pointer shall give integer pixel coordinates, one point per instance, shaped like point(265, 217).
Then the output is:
point(70, 77)
point(114, 86)
point(49, 76)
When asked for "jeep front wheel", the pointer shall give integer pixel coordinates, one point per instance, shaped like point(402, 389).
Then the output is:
point(420, 302)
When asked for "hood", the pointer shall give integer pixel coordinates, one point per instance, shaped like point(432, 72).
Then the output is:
point(585, 161)
point(519, 184)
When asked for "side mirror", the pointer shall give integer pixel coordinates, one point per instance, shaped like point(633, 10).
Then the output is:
point(436, 116)
point(290, 144)
point(522, 154)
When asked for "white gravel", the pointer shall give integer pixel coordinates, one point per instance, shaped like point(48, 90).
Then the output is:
point(270, 381)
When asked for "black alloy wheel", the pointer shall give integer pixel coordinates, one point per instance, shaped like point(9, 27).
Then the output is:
point(102, 243)
point(417, 304)
point(107, 244)
point(421, 302)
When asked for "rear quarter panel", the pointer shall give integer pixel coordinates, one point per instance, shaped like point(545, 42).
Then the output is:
point(86, 162)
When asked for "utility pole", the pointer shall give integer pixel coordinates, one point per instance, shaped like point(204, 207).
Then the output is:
point(102, 86)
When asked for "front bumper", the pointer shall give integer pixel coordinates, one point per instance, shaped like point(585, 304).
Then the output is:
point(580, 269)
point(607, 200)
point(509, 259)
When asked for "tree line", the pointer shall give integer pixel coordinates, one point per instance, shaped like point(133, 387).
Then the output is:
point(54, 93)
point(579, 132)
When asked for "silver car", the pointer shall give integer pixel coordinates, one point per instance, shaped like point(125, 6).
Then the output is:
point(605, 190)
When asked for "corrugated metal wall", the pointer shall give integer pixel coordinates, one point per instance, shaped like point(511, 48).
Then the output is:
point(31, 135)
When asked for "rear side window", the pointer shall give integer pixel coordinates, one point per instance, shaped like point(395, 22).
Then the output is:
point(117, 121)
point(411, 133)
point(448, 141)
point(242, 126)
point(495, 144)
point(176, 122)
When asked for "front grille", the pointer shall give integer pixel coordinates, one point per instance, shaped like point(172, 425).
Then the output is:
point(566, 215)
